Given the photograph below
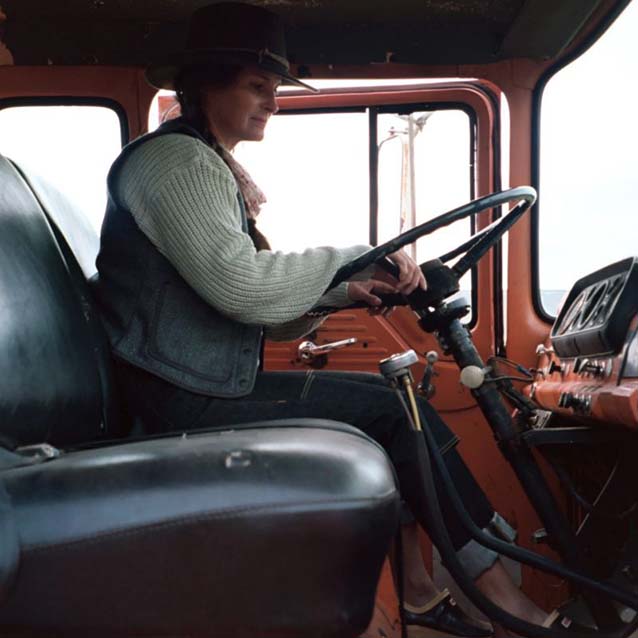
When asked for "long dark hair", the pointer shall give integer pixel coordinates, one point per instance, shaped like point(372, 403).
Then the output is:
point(189, 87)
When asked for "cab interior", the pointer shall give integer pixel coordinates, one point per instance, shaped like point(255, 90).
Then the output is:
point(282, 528)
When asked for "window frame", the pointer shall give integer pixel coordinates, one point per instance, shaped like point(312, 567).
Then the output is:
point(373, 110)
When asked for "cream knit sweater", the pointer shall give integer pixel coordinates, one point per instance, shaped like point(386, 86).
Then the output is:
point(184, 199)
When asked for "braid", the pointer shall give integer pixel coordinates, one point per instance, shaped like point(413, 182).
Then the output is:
point(259, 239)
point(190, 85)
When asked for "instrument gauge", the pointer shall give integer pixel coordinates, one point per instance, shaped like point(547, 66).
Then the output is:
point(572, 314)
point(597, 319)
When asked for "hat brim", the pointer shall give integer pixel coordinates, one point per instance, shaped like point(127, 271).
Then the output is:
point(162, 76)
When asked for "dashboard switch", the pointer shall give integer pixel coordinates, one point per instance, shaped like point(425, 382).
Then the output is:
point(565, 400)
point(554, 367)
point(580, 403)
point(585, 366)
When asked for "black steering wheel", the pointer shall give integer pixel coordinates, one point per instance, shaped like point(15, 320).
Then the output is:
point(443, 281)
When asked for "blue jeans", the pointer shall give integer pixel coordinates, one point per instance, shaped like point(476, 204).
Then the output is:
point(360, 399)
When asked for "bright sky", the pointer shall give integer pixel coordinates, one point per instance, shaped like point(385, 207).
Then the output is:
point(314, 167)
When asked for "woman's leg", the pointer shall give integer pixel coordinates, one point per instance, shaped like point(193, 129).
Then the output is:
point(359, 399)
point(418, 587)
point(483, 565)
point(425, 606)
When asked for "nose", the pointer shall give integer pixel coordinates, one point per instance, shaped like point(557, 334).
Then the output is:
point(270, 104)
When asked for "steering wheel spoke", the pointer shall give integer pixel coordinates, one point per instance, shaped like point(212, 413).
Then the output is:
point(486, 239)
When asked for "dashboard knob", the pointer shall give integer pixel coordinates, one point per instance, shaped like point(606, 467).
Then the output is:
point(577, 402)
point(565, 400)
point(432, 357)
point(578, 365)
point(582, 366)
point(554, 367)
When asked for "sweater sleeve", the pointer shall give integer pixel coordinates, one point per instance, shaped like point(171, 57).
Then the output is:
point(297, 328)
point(184, 198)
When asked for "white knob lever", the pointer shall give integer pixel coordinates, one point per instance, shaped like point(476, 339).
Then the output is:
point(472, 377)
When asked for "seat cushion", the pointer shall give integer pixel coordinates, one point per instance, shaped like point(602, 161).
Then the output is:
point(270, 529)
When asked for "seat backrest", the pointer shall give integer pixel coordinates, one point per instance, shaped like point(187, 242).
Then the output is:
point(70, 225)
point(54, 362)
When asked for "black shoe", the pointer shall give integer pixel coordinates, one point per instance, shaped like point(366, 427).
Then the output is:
point(558, 620)
point(442, 613)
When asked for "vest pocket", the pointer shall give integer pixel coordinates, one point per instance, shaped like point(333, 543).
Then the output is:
point(188, 334)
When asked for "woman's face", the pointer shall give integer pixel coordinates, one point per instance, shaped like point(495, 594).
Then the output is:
point(241, 111)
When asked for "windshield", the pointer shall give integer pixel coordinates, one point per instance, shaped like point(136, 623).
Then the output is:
point(588, 166)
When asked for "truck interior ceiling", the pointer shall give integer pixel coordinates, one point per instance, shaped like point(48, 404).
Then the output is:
point(494, 142)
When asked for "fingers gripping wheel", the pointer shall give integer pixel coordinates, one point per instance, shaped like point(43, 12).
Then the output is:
point(443, 280)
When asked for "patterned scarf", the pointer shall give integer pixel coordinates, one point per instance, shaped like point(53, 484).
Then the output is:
point(252, 194)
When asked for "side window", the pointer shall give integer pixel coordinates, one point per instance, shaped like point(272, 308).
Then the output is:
point(425, 169)
point(70, 146)
point(589, 135)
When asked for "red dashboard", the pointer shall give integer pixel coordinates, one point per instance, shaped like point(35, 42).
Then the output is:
point(597, 388)
point(590, 370)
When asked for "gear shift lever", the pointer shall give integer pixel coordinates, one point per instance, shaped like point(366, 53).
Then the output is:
point(396, 369)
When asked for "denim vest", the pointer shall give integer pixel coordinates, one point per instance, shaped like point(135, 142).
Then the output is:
point(154, 319)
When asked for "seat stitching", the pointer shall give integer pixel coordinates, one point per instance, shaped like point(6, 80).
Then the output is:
point(230, 513)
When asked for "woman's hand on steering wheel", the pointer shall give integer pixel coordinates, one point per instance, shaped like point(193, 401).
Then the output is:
point(365, 291)
point(410, 274)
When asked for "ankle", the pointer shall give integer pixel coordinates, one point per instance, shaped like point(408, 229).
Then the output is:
point(418, 592)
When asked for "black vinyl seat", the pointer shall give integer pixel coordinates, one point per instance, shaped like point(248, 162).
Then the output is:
point(271, 529)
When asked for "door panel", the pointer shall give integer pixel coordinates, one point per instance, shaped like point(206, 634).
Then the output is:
point(375, 341)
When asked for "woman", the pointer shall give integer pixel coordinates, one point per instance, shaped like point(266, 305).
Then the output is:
point(189, 287)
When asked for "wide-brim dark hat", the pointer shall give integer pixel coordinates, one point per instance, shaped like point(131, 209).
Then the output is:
point(229, 33)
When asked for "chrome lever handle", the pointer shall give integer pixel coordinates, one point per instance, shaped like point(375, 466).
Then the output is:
point(308, 350)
